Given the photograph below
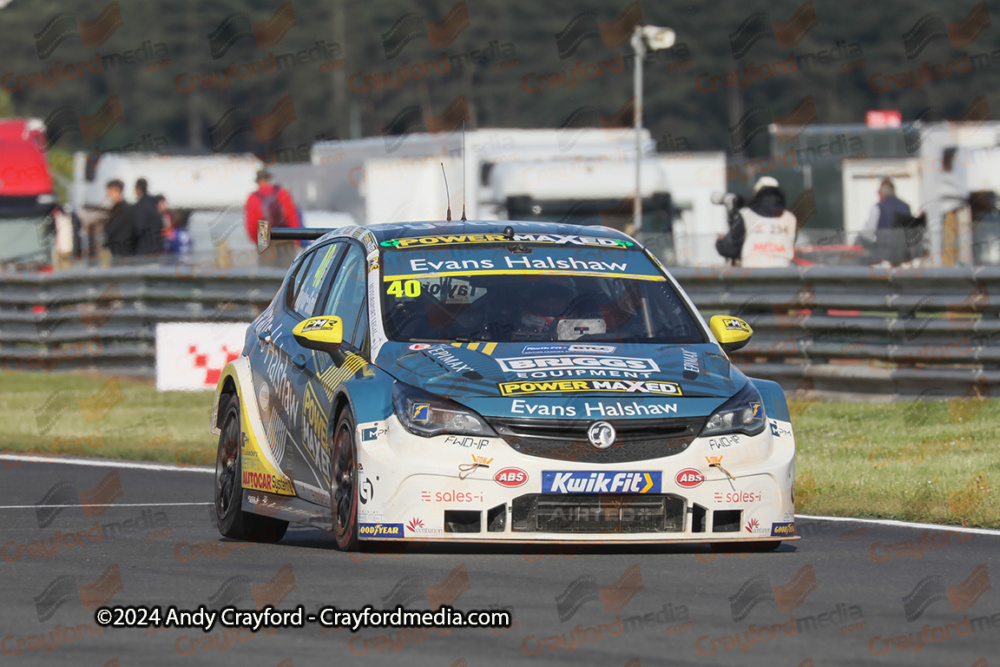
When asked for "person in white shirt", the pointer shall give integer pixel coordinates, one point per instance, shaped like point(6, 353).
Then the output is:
point(762, 233)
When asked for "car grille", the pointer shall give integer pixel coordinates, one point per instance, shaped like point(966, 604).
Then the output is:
point(566, 440)
point(592, 513)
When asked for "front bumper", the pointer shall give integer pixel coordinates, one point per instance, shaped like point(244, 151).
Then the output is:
point(734, 488)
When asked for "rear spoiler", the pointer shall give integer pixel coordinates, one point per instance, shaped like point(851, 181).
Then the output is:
point(265, 234)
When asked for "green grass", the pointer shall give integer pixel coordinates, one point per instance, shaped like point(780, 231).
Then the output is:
point(116, 417)
point(927, 461)
point(930, 461)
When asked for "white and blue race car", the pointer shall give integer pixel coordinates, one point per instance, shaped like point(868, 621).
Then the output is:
point(496, 381)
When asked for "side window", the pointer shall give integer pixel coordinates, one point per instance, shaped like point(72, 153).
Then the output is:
point(312, 281)
point(300, 273)
point(361, 333)
point(347, 296)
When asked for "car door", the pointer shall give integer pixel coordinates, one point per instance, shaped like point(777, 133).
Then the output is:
point(279, 356)
point(308, 455)
point(344, 296)
point(269, 363)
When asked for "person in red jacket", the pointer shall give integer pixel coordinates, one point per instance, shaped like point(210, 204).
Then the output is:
point(272, 203)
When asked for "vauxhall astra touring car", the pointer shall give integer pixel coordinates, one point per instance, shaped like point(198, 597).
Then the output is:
point(495, 381)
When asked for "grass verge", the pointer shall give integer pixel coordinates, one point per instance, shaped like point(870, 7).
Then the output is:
point(931, 461)
point(115, 417)
point(919, 461)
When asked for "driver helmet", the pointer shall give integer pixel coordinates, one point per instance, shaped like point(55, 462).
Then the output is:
point(545, 303)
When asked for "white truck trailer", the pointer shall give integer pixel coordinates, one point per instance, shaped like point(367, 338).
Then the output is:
point(582, 176)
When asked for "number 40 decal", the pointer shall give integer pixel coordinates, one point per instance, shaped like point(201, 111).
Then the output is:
point(399, 288)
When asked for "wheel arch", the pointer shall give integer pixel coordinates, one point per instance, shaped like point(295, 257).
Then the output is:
point(775, 404)
point(228, 391)
point(229, 381)
point(341, 402)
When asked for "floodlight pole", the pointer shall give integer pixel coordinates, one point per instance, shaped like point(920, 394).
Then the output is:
point(639, 46)
point(644, 38)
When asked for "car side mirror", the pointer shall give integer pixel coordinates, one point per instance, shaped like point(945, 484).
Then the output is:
point(731, 332)
point(320, 333)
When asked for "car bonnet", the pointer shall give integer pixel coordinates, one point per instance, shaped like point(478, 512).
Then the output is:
point(500, 379)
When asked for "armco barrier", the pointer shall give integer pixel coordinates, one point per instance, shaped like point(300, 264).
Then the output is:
point(839, 329)
point(105, 319)
point(861, 329)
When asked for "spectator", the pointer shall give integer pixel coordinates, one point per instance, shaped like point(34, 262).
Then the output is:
point(62, 249)
point(79, 233)
point(176, 238)
point(119, 226)
point(273, 203)
point(885, 230)
point(956, 218)
point(762, 233)
point(163, 209)
point(148, 222)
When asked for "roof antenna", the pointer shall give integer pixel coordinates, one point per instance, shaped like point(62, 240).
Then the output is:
point(446, 191)
point(463, 172)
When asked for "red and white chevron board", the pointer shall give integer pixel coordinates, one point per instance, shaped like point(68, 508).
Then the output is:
point(191, 356)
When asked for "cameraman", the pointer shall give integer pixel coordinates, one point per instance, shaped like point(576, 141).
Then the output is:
point(762, 233)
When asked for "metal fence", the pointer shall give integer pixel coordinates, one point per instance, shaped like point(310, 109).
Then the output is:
point(817, 329)
point(862, 329)
point(105, 319)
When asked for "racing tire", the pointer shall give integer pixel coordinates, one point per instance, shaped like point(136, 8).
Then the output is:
point(233, 522)
point(344, 483)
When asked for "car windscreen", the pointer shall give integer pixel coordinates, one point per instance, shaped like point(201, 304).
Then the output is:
point(25, 239)
point(526, 292)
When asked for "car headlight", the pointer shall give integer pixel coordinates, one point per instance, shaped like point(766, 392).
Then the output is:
point(743, 413)
point(427, 415)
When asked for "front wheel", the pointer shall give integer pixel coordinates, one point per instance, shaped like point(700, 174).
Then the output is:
point(233, 521)
point(344, 483)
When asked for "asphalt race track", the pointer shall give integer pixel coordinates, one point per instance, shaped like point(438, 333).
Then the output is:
point(848, 593)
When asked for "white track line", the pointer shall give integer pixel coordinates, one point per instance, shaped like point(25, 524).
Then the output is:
point(104, 463)
point(902, 524)
point(38, 507)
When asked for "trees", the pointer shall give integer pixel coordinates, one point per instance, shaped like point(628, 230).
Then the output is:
point(495, 61)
